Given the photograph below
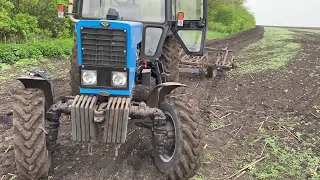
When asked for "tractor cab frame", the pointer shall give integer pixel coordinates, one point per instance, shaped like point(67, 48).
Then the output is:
point(186, 20)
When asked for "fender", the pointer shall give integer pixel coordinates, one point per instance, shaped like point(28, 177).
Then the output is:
point(156, 96)
point(39, 80)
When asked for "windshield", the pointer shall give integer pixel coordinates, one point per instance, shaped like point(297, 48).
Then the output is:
point(130, 10)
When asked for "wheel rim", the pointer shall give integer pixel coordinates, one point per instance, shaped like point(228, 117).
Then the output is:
point(167, 157)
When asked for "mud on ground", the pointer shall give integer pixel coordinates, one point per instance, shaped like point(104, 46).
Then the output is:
point(266, 112)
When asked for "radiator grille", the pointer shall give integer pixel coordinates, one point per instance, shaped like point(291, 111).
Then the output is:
point(105, 47)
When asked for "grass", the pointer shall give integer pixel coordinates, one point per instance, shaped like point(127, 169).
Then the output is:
point(316, 31)
point(274, 51)
point(17, 59)
point(288, 158)
point(12, 53)
point(4, 66)
point(286, 163)
point(53, 68)
point(211, 35)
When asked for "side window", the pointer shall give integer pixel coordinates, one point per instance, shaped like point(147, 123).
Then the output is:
point(193, 9)
point(152, 38)
point(192, 39)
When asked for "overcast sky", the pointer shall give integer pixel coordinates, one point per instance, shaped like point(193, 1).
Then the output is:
point(305, 13)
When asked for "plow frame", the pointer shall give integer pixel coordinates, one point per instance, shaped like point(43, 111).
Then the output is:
point(210, 63)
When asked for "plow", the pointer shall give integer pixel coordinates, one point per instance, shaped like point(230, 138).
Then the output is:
point(211, 63)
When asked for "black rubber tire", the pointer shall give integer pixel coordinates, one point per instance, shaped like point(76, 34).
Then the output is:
point(141, 93)
point(74, 71)
point(170, 58)
point(187, 157)
point(31, 156)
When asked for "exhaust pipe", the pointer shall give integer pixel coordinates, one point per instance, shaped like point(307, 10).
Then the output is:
point(70, 10)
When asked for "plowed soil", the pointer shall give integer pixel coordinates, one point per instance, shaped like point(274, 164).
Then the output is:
point(264, 114)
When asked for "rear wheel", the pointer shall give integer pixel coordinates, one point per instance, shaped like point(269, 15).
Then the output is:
point(31, 155)
point(178, 146)
point(171, 58)
point(74, 71)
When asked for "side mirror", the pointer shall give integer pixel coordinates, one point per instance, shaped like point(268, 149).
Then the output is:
point(61, 10)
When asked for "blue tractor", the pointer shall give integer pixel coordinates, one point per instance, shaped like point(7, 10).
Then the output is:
point(125, 68)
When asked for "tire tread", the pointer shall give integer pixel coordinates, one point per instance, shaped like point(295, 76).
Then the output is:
point(170, 58)
point(74, 71)
point(192, 139)
point(29, 136)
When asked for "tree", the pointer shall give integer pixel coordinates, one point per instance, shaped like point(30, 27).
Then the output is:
point(5, 23)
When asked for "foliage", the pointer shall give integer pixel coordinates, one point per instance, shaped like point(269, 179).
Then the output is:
point(287, 162)
point(216, 35)
point(25, 26)
point(11, 53)
point(26, 20)
point(4, 66)
point(288, 159)
point(229, 16)
point(5, 8)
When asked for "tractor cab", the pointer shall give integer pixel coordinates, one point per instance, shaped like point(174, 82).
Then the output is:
point(186, 19)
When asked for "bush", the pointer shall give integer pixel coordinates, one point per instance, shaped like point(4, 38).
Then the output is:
point(26, 26)
point(11, 53)
point(231, 19)
point(225, 15)
point(55, 47)
point(25, 20)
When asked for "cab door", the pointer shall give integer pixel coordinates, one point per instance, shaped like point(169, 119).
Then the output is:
point(190, 24)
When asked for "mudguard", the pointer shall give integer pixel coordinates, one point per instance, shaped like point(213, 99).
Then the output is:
point(40, 81)
point(156, 96)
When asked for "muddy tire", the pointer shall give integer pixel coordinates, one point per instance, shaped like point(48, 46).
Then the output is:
point(171, 58)
point(188, 143)
point(141, 93)
point(74, 71)
point(31, 155)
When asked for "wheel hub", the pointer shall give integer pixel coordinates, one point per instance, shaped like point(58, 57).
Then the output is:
point(165, 139)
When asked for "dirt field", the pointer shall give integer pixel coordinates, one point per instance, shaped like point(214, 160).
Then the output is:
point(261, 120)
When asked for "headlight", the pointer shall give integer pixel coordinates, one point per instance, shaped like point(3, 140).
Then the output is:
point(119, 79)
point(89, 77)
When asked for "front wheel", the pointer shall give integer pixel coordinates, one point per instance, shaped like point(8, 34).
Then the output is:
point(178, 146)
point(31, 155)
